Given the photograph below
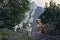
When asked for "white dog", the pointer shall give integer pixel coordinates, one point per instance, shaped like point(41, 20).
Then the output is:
point(18, 26)
point(29, 29)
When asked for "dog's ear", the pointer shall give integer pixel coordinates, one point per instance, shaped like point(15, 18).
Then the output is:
point(39, 20)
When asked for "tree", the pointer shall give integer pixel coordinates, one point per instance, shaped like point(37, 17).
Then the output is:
point(51, 15)
point(12, 12)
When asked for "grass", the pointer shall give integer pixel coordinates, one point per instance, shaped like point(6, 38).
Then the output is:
point(6, 34)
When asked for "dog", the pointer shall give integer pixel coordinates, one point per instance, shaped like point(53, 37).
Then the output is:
point(40, 26)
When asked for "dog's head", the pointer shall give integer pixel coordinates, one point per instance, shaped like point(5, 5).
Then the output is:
point(38, 21)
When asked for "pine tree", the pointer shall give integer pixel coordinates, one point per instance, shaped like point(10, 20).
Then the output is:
point(51, 16)
point(12, 12)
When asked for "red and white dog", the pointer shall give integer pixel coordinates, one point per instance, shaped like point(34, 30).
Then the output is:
point(40, 26)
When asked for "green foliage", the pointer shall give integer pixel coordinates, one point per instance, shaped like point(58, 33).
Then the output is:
point(12, 11)
point(24, 25)
point(11, 35)
point(51, 15)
